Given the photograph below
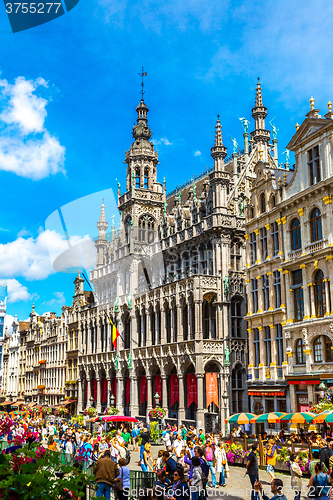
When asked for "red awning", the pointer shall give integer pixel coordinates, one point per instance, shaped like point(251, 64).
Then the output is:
point(31, 405)
point(18, 403)
point(303, 382)
point(115, 418)
point(266, 392)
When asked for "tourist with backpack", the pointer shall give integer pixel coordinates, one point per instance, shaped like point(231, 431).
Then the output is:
point(211, 461)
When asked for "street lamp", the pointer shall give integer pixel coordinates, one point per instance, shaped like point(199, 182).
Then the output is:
point(225, 397)
point(322, 389)
point(91, 400)
point(157, 398)
point(112, 399)
point(62, 400)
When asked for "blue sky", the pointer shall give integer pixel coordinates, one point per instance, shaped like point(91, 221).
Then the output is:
point(68, 94)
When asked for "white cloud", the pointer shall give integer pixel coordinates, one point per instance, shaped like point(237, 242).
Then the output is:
point(58, 299)
point(8, 323)
point(33, 258)
point(163, 140)
point(26, 147)
point(197, 153)
point(16, 291)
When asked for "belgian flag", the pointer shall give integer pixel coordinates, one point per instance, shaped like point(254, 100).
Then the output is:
point(115, 334)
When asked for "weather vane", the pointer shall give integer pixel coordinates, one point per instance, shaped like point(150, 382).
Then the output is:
point(142, 74)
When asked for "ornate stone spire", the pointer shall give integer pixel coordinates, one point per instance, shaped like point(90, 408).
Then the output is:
point(219, 151)
point(259, 113)
point(102, 225)
point(141, 129)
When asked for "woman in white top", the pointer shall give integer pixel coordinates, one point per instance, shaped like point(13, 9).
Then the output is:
point(166, 439)
point(221, 462)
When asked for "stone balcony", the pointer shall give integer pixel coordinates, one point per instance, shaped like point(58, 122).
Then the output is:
point(272, 373)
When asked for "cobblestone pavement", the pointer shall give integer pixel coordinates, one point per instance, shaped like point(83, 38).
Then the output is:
point(238, 484)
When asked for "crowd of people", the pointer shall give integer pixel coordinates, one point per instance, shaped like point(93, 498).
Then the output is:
point(188, 463)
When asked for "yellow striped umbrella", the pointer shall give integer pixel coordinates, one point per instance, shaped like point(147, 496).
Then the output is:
point(270, 418)
point(240, 418)
point(325, 416)
point(298, 418)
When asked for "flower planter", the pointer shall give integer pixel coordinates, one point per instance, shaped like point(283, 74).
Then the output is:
point(239, 460)
point(280, 465)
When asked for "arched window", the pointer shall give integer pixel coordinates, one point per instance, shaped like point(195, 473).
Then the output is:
point(316, 228)
point(146, 228)
point(205, 319)
point(328, 350)
point(146, 178)
point(263, 203)
point(300, 357)
point(319, 289)
point(128, 226)
point(295, 231)
point(137, 178)
point(273, 201)
point(318, 350)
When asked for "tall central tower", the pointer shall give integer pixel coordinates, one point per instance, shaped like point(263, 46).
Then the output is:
point(142, 203)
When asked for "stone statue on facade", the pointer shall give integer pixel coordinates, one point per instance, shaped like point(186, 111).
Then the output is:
point(165, 208)
point(227, 355)
point(116, 308)
point(241, 206)
point(129, 362)
point(180, 199)
point(129, 301)
point(234, 144)
point(275, 130)
point(116, 363)
point(195, 192)
point(245, 124)
point(226, 282)
point(287, 155)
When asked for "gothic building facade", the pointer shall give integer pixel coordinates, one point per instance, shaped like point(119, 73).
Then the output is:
point(170, 277)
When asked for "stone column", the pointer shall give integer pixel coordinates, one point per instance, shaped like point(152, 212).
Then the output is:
point(308, 360)
point(260, 294)
point(98, 331)
point(164, 399)
point(143, 332)
point(108, 391)
point(289, 297)
point(179, 318)
point(189, 320)
point(312, 301)
point(172, 321)
point(134, 404)
point(149, 394)
point(148, 324)
point(88, 391)
point(259, 253)
point(156, 326)
point(98, 400)
point(274, 354)
point(197, 320)
point(79, 395)
point(327, 296)
point(293, 402)
point(120, 394)
point(163, 326)
point(200, 410)
point(263, 358)
point(181, 410)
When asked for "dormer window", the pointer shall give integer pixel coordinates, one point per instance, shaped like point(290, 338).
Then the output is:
point(314, 165)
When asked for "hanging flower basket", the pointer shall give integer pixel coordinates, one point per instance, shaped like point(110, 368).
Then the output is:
point(157, 412)
point(61, 411)
point(111, 411)
point(91, 412)
point(46, 409)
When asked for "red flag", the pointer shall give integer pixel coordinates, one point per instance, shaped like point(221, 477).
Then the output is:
point(143, 389)
point(174, 389)
point(192, 389)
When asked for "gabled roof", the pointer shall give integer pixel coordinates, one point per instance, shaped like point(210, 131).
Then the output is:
point(309, 126)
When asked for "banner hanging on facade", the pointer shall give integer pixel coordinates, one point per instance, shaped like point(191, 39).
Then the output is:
point(192, 389)
point(143, 390)
point(128, 391)
point(212, 393)
point(174, 389)
point(158, 386)
point(104, 390)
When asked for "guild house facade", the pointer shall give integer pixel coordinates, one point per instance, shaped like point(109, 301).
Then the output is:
point(289, 272)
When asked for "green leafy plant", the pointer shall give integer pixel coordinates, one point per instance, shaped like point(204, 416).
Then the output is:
point(154, 432)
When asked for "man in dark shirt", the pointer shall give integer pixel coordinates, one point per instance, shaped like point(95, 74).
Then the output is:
point(162, 483)
point(170, 465)
point(325, 453)
point(252, 468)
